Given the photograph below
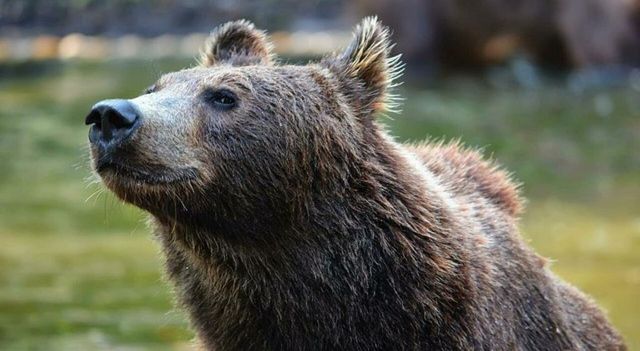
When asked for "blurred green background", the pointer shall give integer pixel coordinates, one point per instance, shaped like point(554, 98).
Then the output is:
point(79, 269)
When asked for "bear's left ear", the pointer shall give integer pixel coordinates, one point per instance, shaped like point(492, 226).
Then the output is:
point(366, 69)
point(237, 43)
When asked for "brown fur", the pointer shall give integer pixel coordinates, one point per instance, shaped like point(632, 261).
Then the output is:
point(292, 221)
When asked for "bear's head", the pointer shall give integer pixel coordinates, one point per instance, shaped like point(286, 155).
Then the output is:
point(241, 137)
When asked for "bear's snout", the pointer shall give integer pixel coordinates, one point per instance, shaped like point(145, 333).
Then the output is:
point(112, 122)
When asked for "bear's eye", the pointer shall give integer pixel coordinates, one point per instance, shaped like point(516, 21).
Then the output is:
point(222, 98)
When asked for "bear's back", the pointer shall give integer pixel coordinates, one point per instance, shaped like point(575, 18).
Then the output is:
point(464, 172)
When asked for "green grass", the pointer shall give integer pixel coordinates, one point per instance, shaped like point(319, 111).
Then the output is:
point(79, 271)
point(85, 292)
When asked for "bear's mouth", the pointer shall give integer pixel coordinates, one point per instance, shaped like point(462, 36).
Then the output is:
point(150, 175)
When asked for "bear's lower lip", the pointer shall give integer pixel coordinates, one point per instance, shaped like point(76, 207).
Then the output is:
point(152, 176)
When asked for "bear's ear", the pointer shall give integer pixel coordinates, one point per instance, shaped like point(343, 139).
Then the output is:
point(366, 68)
point(237, 43)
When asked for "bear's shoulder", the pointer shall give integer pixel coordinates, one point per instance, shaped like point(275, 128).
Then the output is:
point(465, 170)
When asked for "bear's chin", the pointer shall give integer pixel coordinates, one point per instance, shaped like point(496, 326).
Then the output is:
point(145, 176)
point(149, 191)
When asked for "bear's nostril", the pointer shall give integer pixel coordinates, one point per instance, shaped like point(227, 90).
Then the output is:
point(93, 118)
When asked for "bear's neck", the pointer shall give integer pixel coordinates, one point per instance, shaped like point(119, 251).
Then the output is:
point(292, 280)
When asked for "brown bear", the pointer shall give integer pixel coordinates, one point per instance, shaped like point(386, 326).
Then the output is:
point(290, 220)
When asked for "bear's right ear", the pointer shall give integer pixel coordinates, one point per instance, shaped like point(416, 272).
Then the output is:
point(237, 43)
point(366, 68)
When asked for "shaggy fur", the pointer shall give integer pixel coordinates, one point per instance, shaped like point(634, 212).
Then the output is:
point(290, 220)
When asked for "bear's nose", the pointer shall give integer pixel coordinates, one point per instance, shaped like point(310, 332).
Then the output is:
point(112, 120)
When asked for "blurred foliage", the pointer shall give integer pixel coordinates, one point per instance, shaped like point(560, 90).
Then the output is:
point(556, 141)
point(155, 17)
point(78, 270)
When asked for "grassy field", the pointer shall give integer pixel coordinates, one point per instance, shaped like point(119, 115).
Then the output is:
point(79, 271)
